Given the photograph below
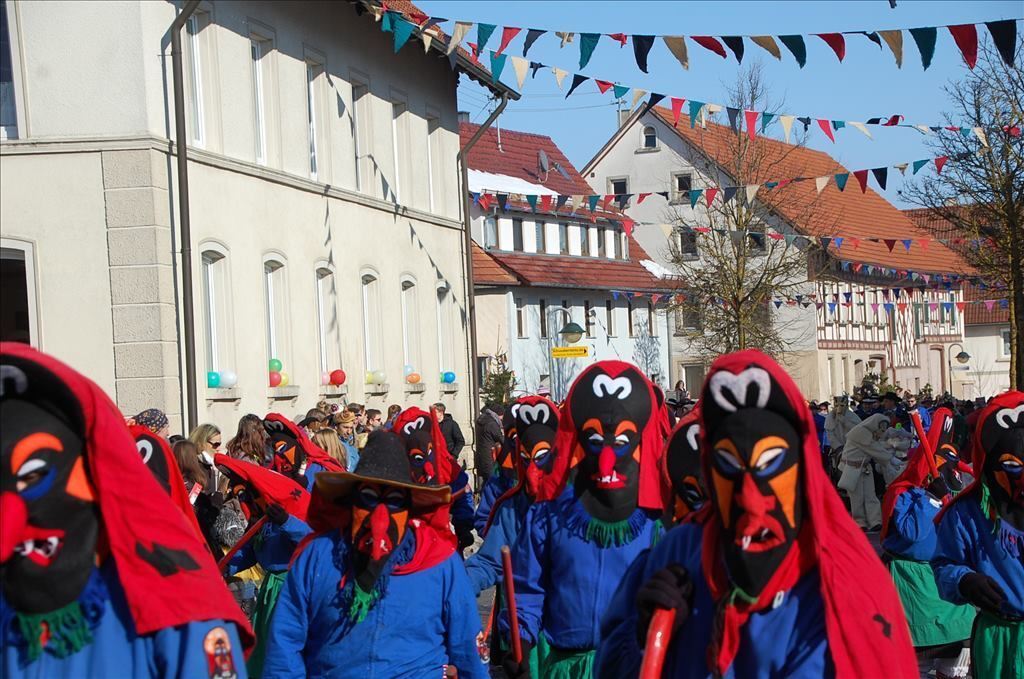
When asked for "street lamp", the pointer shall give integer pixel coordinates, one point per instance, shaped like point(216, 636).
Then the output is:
point(572, 332)
point(962, 357)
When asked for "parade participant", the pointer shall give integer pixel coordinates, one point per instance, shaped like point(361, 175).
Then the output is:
point(101, 574)
point(681, 469)
point(158, 457)
point(909, 508)
point(265, 493)
point(432, 465)
point(376, 592)
point(864, 445)
point(503, 477)
point(295, 455)
point(980, 554)
point(597, 509)
point(774, 580)
point(840, 422)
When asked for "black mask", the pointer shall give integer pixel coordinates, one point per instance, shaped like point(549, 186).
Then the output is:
point(536, 424)
point(419, 446)
point(609, 413)
point(684, 470)
point(288, 455)
point(379, 519)
point(1002, 437)
point(150, 448)
point(947, 460)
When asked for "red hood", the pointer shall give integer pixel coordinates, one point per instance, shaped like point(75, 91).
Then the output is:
point(447, 469)
point(864, 619)
point(138, 518)
point(666, 479)
point(179, 495)
point(276, 488)
point(313, 452)
point(920, 467)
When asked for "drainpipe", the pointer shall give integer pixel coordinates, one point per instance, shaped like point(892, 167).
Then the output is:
point(467, 245)
point(184, 221)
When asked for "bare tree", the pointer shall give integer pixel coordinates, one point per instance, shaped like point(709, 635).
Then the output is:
point(977, 202)
point(731, 264)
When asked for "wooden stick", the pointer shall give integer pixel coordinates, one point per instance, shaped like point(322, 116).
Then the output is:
point(510, 596)
point(253, 529)
point(659, 633)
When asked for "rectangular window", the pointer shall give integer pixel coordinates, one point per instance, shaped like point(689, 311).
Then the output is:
point(399, 145)
point(609, 317)
point(490, 233)
point(8, 111)
point(630, 318)
point(588, 318)
point(687, 243)
point(601, 242)
point(687, 321)
point(410, 325)
point(651, 326)
point(682, 183)
point(361, 133)
point(18, 292)
point(584, 241)
point(258, 48)
point(433, 160)
point(543, 312)
point(517, 235)
point(195, 59)
point(616, 245)
point(372, 348)
point(313, 71)
point(563, 238)
point(520, 318)
point(276, 291)
point(327, 321)
point(1004, 335)
point(619, 187)
point(541, 237)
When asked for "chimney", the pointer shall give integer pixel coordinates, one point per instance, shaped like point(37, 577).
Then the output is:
point(623, 115)
point(463, 117)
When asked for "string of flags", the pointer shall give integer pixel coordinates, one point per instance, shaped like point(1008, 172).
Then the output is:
point(965, 36)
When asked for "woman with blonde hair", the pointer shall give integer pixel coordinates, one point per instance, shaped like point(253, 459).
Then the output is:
point(328, 439)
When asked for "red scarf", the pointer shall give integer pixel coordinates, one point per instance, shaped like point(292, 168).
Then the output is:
point(276, 488)
point(313, 452)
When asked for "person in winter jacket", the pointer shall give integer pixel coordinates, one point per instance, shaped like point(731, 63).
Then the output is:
point(450, 429)
point(864, 444)
point(490, 436)
point(503, 476)
point(839, 422)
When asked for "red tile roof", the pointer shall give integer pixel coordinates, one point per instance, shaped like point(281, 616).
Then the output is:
point(978, 314)
point(487, 270)
point(848, 213)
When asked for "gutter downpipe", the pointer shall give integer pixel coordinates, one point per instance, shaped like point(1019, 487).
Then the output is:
point(467, 245)
point(184, 220)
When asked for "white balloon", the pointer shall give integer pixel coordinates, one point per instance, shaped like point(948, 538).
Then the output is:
point(228, 378)
point(379, 377)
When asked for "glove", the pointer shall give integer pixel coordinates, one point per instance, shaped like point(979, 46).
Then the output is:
point(276, 514)
point(670, 588)
point(982, 591)
point(518, 670)
point(938, 488)
point(464, 534)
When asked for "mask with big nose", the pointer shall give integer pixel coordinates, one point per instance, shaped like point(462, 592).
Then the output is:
point(1002, 436)
point(380, 514)
point(536, 425)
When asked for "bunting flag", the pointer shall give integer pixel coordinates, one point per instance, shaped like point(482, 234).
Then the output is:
point(483, 34)
point(677, 46)
point(767, 43)
point(735, 45)
point(588, 41)
point(796, 47)
point(1004, 35)
point(498, 65)
point(507, 34)
point(531, 37)
point(677, 107)
point(826, 127)
point(642, 45)
point(925, 40)
point(709, 43)
point(751, 121)
point(880, 174)
point(836, 42)
point(862, 178)
point(894, 39)
point(966, 38)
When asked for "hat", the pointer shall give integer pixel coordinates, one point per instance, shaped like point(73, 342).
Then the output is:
point(385, 461)
point(152, 419)
point(314, 415)
point(345, 417)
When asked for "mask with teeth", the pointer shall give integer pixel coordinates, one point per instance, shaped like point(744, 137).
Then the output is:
point(682, 462)
point(289, 456)
point(609, 413)
point(380, 514)
point(48, 513)
point(536, 423)
point(1002, 438)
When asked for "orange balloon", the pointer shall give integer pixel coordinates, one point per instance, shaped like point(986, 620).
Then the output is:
point(412, 378)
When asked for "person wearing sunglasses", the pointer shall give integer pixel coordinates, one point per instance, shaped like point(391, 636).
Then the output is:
point(207, 438)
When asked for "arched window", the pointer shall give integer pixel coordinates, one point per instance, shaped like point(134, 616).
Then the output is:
point(650, 139)
point(372, 349)
point(327, 319)
point(217, 319)
point(275, 289)
point(410, 324)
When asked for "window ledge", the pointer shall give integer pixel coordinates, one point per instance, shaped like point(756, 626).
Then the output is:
point(233, 394)
point(644, 149)
point(449, 387)
point(288, 393)
point(376, 389)
point(333, 391)
point(417, 388)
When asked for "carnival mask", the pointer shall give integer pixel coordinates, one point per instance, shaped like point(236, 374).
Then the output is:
point(419, 446)
point(289, 457)
point(505, 460)
point(609, 413)
point(151, 450)
point(49, 521)
point(536, 423)
point(683, 463)
point(947, 462)
point(1002, 437)
point(380, 513)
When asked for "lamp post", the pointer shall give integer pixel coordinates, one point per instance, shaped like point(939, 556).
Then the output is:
point(571, 333)
point(962, 357)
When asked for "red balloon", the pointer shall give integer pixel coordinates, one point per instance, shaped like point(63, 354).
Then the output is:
point(275, 379)
point(337, 377)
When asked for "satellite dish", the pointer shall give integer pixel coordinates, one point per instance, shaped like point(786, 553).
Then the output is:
point(542, 160)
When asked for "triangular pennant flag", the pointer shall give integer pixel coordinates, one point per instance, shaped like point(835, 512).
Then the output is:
point(838, 124)
point(566, 38)
point(387, 21)
point(933, 306)
point(666, 229)
point(620, 38)
point(862, 179)
point(1004, 35)
point(836, 42)
point(652, 101)
point(507, 34)
point(819, 305)
point(795, 44)
point(832, 307)
point(485, 202)
point(902, 167)
point(709, 195)
point(637, 96)
point(531, 37)
point(532, 200)
point(890, 243)
point(966, 38)
point(787, 125)
point(627, 226)
point(918, 164)
point(751, 120)
point(906, 244)
point(939, 163)
point(874, 307)
point(872, 36)
point(765, 119)
point(735, 45)
point(654, 298)
point(733, 114)
point(826, 127)
point(602, 85)
point(577, 201)
point(561, 201)
point(775, 235)
point(615, 294)
point(894, 39)
point(848, 296)
point(821, 182)
point(960, 306)
point(861, 127)
point(559, 75)
point(695, 196)
point(606, 201)
point(592, 201)
point(695, 107)
point(520, 66)
point(497, 66)
point(458, 34)
point(677, 107)
point(709, 43)
point(676, 44)
point(841, 180)
point(641, 47)
point(402, 30)
point(641, 198)
point(889, 307)
point(881, 174)
point(545, 203)
point(619, 91)
point(902, 306)
point(838, 242)
point(947, 307)
point(588, 41)
point(502, 200)
point(767, 43)
point(825, 241)
point(727, 193)
point(990, 304)
point(980, 134)
point(778, 303)
point(751, 192)
point(536, 66)
point(925, 40)
point(483, 34)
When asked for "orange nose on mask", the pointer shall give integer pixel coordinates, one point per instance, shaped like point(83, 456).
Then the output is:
point(13, 519)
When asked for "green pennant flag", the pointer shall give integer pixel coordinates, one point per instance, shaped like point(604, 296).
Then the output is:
point(532, 200)
point(918, 164)
point(483, 34)
point(401, 33)
point(841, 180)
point(925, 39)
point(497, 65)
point(765, 119)
point(695, 196)
point(593, 202)
point(588, 41)
point(695, 107)
point(620, 90)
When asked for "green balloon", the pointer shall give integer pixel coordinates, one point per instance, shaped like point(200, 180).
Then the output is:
point(275, 365)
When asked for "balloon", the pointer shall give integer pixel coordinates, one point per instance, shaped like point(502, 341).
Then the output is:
point(284, 379)
point(275, 365)
point(325, 379)
point(337, 377)
point(275, 378)
point(369, 377)
point(449, 377)
point(408, 370)
point(379, 377)
point(228, 379)
point(413, 378)
point(213, 379)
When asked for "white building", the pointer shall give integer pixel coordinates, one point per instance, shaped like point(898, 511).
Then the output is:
point(325, 202)
point(841, 324)
point(535, 271)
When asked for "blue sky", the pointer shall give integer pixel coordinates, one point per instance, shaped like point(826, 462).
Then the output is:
point(867, 84)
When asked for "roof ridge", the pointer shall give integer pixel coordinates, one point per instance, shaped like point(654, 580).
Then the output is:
point(505, 130)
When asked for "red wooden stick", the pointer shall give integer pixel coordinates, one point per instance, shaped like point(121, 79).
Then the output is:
point(658, 636)
point(510, 597)
point(253, 529)
point(926, 445)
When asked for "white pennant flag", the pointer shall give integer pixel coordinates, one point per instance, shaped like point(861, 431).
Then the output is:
point(821, 182)
point(637, 96)
point(667, 229)
point(751, 192)
point(576, 202)
point(860, 126)
point(923, 128)
point(458, 34)
point(902, 167)
point(427, 40)
point(559, 75)
point(787, 125)
point(565, 36)
point(521, 66)
point(980, 134)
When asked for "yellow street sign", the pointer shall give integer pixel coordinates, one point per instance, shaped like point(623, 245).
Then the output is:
point(570, 352)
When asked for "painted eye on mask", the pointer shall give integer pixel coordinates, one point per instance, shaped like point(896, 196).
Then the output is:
point(34, 478)
point(727, 462)
point(369, 497)
point(393, 499)
point(769, 461)
point(418, 458)
point(540, 456)
point(1011, 465)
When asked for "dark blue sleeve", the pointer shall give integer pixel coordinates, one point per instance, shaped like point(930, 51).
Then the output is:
point(180, 652)
point(910, 518)
point(488, 495)
point(529, 558)
point(618, 652)
point(461, 623)
point(484, 567)
point(462, 509)
point(952, 559)
point(295, 528)
point(289, 626)
point(243, 559)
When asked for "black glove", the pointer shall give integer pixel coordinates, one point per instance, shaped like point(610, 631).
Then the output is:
point(938, 488)
point(518, 670)
point(465, 536)
point(982, 591)
point(670, 588)
point(276, 514)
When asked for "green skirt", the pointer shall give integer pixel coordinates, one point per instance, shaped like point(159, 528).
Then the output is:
point(266, 600)
point(997, 648)
point(557, 664)
point(931, 619)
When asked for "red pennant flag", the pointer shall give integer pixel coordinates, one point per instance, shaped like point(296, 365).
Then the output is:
point(507, 33)
point(966, 37)
point(627, 226)
point(836, 42)
point(902, 306)
point(890, 243)
point(776, 236)
point(593, 218)
point(857, 267)
point(545, 203)
point(782, 182)
point(707, 42)
point(862, 179)
point(654, 298)
point(709, 195)
point(960, 306)
point(641, 198)
point(485, 201)
point(855, 242)
point(923, 243)
point(619, 38)
point(893, 121)
point(939, 163)
point(702, 229)
point(677, 107)
point(751, 118)
point(607, 200)
point(603, 85)
point(826, 127)
point(418, 17)
point(474, 52)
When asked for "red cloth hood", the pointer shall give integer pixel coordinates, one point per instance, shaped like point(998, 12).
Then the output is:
point(276, 488)
point(179, 495)
point(447, 469)
point(139, 519)
point(864, 619)
point(313, 452)
point(652, 443)
point(920, 468)
point(666, 478)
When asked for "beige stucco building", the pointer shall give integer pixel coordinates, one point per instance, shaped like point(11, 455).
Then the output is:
point(324, 198)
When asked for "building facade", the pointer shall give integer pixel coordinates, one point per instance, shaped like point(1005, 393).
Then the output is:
point(325, 204)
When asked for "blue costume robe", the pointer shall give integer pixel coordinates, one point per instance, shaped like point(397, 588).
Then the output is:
point(271, 548)
point(310, 472)
point(494, 487)
point(912, 529)
point(485, 566)
point(422, 621)
point(462, 507)
point(116, 650)
point(563, 581)
point(784, 641)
